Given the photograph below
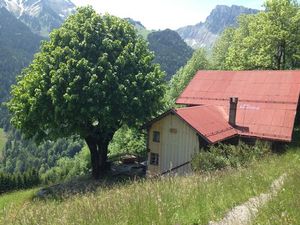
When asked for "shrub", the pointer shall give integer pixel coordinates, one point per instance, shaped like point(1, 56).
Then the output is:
point(222, 156)
point(67, 168)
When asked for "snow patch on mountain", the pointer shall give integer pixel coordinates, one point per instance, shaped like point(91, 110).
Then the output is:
point(41, 16)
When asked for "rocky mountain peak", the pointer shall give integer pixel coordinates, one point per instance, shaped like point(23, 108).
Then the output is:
point(41, 16)
point(205, 34)
point(225, 16)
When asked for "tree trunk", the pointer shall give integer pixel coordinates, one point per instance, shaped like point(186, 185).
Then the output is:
point(98, 149)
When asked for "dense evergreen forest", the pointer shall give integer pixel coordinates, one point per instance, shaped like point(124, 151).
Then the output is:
point(171, 52)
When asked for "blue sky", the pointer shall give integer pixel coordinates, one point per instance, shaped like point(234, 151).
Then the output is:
point(162, 14)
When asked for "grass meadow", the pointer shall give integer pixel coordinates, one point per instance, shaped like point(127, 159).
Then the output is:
point(284, 209)
point(195, 199)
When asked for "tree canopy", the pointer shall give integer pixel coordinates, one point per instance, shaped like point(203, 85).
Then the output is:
point(93, 75)
point(184, 75)
point(267, 40)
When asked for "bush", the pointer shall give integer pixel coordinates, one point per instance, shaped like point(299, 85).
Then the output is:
point(67, 168)
point(222, 156)
point(128, 141)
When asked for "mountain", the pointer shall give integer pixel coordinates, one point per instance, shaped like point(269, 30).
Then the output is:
point(141, 29)
point(41, 16)
point(17, 47)
point(171, 52)
point(205, 34)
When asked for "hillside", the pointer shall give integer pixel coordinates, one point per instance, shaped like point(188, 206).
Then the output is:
point(141, 29)
point(171, 52)
point(195, 199)
point(205, 34)
point(41, 16)
point(17, 46)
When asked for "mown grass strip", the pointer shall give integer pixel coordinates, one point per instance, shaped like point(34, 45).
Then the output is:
point(188, 200)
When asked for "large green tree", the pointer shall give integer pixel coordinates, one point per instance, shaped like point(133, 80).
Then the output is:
point(93, 75)
point(267, 40)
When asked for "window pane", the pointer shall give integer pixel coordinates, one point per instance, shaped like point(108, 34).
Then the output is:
point(156, 136)
point(154, 158)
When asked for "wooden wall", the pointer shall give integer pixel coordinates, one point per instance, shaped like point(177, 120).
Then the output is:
point(178, 143)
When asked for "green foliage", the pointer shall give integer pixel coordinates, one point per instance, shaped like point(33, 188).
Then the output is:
point(222, 156)
point(67, 168)
point(267, 40)
point(10, 182)
point(220, 49)
point(171, 52)
point(128, 141)
point(94, 75)
point(20, 155)
point(3, 140)
point(184, 75)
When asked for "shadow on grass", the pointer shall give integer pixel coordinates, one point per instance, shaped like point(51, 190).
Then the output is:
point(83, 185)
point(282, 147)
point(296, 138)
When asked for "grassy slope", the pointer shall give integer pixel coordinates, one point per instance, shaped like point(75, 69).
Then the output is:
point(285, 208)
point(194, 199)
point(2, 140)
point(15, 199)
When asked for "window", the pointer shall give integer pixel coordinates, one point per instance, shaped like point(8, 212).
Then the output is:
point(154, 158)
point(156, 136)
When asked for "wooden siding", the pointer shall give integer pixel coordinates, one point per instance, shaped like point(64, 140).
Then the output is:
point(178, 143)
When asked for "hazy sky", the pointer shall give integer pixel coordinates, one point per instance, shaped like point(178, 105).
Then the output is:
point(162, 14)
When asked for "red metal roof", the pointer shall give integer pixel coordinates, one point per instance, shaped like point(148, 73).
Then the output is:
point(209, 121)
point(267, 99)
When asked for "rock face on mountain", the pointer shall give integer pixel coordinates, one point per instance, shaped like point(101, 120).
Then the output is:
point(205, 34)
point(41, 16)
point(171, 52)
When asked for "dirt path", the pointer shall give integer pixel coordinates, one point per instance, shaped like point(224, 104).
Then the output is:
point(243, 214)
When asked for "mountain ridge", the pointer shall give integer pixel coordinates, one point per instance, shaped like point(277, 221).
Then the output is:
point(204, 34)
point(17, 47)
point(41, 16)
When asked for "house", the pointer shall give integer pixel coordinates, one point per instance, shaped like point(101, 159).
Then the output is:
point(222, 106)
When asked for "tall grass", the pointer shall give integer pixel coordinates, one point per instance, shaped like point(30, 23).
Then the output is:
point(15, 199)
point(196, 199)
point(285, 208)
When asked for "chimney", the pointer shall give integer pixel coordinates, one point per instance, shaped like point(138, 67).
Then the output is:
point(232, 110)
